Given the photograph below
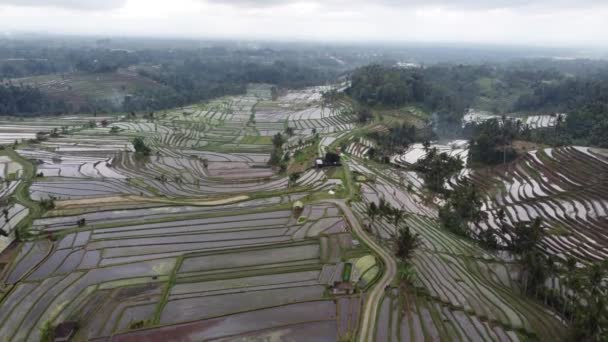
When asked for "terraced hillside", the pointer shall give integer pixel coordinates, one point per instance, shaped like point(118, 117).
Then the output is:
point(200, 233)
point(460, 291)
point(203, 240)
point(566, 187)
point(162, 269)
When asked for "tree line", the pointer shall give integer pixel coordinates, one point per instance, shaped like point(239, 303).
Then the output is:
point(28, 101)
point(182, 77)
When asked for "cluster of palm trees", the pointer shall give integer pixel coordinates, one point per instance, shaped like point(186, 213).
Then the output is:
point(582, 294)
point(385, 210)
point(584, 300)
point(405, 241)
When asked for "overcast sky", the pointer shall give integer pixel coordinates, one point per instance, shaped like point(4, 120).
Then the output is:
point(546, 22)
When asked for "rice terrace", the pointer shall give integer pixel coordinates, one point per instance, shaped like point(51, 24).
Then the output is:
point(368, 205)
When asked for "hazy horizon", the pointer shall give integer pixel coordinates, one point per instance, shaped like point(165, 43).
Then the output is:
point(532, 23)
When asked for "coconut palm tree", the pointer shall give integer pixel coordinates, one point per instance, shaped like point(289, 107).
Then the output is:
point(407, 273)
point(398, 216)
point(372, 212)
point(293, 178)
point(591, 311)
point(569, 282)
point(558, 125)
point(406, 243)
point(504, 139)
point(551, 272)
point(384, 209)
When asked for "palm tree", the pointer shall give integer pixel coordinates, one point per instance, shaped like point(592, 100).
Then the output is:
point(570, 271)
point(383, 207)
point(558, 124)
point(293, 178)
point(398, 216)
point(427, 145)
point(504, 139)
point(534, 272)
point(289, 131)
point(551, 272)
point(407, 273)
point(591, 311)
point(372, 212)
point(406, 243)
point(596, 275)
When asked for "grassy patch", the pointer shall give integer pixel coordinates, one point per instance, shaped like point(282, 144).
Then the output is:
point(139, 324)
point(22, 195)
point(303, 159)
point(410, 115)
point(348, 268)
point(165, 296)
point(336, 173)
point(559, 230)
point(47, 332)
point(256, 140)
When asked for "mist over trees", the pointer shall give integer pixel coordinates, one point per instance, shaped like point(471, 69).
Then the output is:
point(172, 77)
point(179, 73)
point(27, 101)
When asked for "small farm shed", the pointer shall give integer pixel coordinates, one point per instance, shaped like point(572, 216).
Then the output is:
point(342, 288)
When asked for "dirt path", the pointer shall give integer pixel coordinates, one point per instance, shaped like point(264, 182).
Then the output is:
point(370, 309)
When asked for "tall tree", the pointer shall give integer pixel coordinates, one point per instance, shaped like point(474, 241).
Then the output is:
point(406, 243)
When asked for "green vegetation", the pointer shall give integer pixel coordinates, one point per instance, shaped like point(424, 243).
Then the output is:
point(71, 77)
point(462, 208)
point(348, 267)
point(396, 140)
point(587, 304)
point(303, 159)
point(436, 168)
point(256, 140)
point(22, 195)
point(492, 140)
point(278, 158)
point(586, 126)
point(449, 90)
point(47, 203)
point(406, 243)
point(446, 90)
point(134, 243)
point(375, 84)
point(47, 333)
point(27, 101)
point(331, 159)
point(141, 147)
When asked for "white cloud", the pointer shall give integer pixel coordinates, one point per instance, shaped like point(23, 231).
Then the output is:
point(550, 22)
point(469, 5)
point(68, 4)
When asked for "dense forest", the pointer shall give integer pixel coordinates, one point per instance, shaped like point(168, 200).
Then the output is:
point(441, 89)
point(173, 77)
point(196, 80)
point(28, 101)
point(182, 73)
point(446, 91)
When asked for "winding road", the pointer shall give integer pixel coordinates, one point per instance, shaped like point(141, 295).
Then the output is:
point(370, 309)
